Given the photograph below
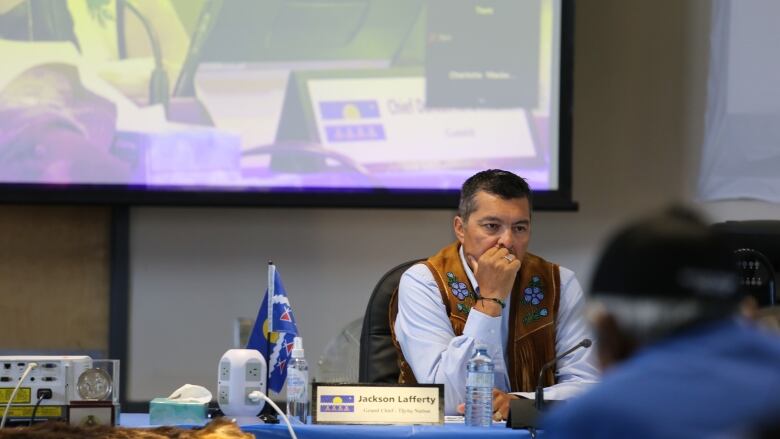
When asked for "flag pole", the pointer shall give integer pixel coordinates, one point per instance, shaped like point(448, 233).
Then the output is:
point(267, 414)
point(271, 283)
point(271, 276)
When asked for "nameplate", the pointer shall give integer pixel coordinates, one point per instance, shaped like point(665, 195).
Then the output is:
point(397, 404)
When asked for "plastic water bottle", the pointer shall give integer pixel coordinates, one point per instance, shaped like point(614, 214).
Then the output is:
point(479, 389)
point(297, 380)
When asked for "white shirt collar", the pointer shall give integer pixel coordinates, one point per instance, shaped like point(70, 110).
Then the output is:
point(468, 271)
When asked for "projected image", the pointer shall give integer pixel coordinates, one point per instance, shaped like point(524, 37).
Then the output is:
point(288, 95)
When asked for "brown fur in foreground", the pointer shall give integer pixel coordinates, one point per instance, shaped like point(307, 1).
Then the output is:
point(220, 428)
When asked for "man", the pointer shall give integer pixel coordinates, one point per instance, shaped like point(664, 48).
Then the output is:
point(486, 288)
point(678, 361)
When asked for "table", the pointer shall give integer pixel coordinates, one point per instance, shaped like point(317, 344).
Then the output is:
point(279, 431)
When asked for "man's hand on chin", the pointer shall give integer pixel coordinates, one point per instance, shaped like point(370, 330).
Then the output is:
point(495, 271)
point(500, 405)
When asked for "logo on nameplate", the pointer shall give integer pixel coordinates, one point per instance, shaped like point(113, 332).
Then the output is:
point(352, 121)
point(337, 403)
point(350, 110)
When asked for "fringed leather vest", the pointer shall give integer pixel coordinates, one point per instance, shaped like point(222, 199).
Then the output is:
point(532, 314)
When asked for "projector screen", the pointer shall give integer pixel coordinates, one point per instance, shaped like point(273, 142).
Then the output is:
point(283, 102)
point(740, 151)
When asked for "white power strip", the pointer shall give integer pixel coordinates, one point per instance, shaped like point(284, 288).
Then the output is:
point(241, 372)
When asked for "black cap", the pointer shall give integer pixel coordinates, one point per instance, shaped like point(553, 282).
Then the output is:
point(674, 255)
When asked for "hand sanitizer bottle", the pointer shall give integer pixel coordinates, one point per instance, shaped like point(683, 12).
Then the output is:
point(297, 380)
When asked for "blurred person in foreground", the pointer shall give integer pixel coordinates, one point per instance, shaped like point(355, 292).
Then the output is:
point(680, 359)
point(486, 287)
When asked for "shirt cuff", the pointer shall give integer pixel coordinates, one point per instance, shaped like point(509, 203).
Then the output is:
point(483, 328)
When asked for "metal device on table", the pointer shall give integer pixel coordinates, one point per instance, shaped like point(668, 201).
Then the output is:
point(756, 275)
point(75, 388)
point(756, 247)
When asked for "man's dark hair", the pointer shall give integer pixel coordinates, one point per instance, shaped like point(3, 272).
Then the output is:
point(503, 184)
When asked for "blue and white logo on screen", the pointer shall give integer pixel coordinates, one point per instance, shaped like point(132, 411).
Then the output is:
point(349, 110)
point(342, 119)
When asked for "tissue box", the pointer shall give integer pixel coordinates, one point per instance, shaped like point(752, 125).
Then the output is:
point(164, 411)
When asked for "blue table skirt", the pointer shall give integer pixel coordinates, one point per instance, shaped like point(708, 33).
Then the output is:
point(383, 431)
point(279, 431)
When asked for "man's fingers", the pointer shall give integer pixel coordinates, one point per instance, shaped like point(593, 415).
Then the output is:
point(498, 401)
point(474, 263)
point(495, 252)
point(495, 256)
point(501, 404)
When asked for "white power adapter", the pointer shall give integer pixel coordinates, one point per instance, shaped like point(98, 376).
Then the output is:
point(241, 372)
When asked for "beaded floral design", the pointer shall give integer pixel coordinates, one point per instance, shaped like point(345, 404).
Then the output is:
point(533, 295)
point(461, 291)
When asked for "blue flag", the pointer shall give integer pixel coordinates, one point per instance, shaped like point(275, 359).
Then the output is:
point(277, 350)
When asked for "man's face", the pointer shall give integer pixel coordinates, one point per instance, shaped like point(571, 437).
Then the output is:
point(495, 222)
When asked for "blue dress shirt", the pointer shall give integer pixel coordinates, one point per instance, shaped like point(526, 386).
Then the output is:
point(436, 355)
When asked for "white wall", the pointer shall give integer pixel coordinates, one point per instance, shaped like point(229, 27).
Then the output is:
point(640, 77)
point(196, 270)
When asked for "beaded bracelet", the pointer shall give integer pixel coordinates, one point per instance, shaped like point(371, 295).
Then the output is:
point(495, 300)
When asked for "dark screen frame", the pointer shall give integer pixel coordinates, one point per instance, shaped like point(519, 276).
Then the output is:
point(126, 195)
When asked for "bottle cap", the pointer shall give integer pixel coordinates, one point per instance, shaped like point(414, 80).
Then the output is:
point(297, 351)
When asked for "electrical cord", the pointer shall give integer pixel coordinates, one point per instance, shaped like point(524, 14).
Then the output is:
point(27, 370)
point(255, 395)
point(35, 409)
point(158, 83)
